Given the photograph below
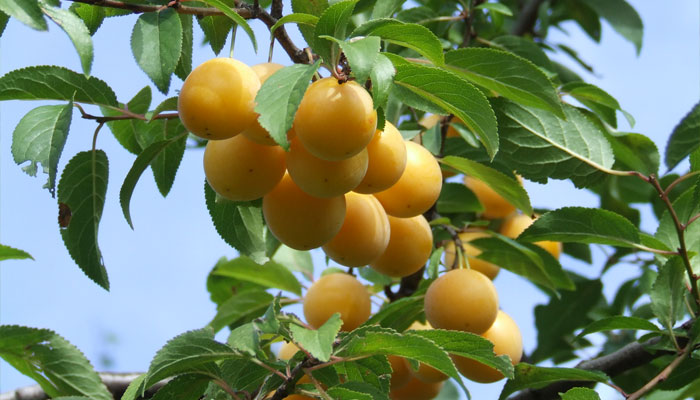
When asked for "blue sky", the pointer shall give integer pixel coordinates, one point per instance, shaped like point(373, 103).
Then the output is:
point(158, 270)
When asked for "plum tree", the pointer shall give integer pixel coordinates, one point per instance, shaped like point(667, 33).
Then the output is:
point(217, 98)
point(337, 293)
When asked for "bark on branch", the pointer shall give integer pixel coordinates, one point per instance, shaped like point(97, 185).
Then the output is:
point(527, 18)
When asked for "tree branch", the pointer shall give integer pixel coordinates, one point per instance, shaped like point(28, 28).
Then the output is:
point(527, 18)
point(116, 383)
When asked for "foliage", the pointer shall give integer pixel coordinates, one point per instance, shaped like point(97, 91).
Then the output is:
point(487, 66)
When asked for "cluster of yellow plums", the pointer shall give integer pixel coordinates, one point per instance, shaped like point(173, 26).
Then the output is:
point(359, 193)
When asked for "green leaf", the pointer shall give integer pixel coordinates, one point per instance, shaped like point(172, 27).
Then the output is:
point(82, 191)
point(184, 354)
point(313, 7)
point(216, 29)
point(237, 19)
point(59, 367)
point(455, 96)
point(684, 138)
point(297, 18)
point(496, 8)
point(583, 225)
point(76, 30)
point(399, 314)
point(504, 185)
point(183, 387)
point(169, 104)
point(386, 8)
point(295, 260)
point(526, 260)
point(596, 99)
point(635, 151)
point(695, 160)
point(39, 137)
point(362, 55)
point(167, 161)
point(55, 83)
point(156, 43)
point(243, 306)
point(27, 12)
point(134, 389)
point(318, 342)
point(184, 64)
point(468, 345)
point(524, 48)
point(341, 392)
point(622, 17)
point(243, 374)
point(580, 393)
point(374, 370)
point(413, 36)
point(558, 319)
point(4, 19)
point(457, 198)
point(539, 145)
point(506, 74)
point(245, 339)
point(618, 322)
point(127, 132)
point(91, 15)
point(667, 293)
point(270, 274)
point(409, 346)
point(531, 376)
point(279, 97)
point(10, 253)
point(332, 22)
point(685, 206)
point(382, 76)
point(132, 177)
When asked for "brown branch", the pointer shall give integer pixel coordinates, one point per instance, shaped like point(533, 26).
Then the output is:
point(246, 11)
point(663, 375)
point(116, 384)
point(527, 18)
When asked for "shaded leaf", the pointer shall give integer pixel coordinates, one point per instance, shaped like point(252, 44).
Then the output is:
point(75, 29)
point(506, 74)
point(495, 7)
point(580, 393)
point(156, 43)
point(399, 314)
point(27, 12)
point(184, 64)
point(313, 7)
point(82, 189)
point(298, 18)
point(166, 162)
point(127, 131)
point(684, 138)
point(539, 145)
point(55, 83)
point(457, 198)
point(622, 17)
point(39, 137)
point(216, 29)
point(270, 274)
point(530, 376)
point(243, 306)
point(618, 322)
point(525, 48)
point(295, 260)
point(453, 95)
point(413, 36)
point(382, 76)
point(332, 22)
point(91, 15)
point(237, 19)
point(183, 387)
point(636, 152)
point(596, 99)
point(362, 55)
point(668, 292)
point(507, 187)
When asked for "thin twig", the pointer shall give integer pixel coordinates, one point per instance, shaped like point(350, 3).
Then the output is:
point(663, 375)
point(679, 180)
point(690, 221)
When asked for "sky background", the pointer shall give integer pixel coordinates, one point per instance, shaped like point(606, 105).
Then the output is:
point(158, 271)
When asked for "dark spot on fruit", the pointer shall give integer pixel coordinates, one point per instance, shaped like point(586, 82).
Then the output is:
point(250, 169)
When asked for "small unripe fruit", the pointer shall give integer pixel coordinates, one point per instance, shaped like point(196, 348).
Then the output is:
point(241, 170)
point(470, 252)
point(334, 120)
point(410, 245)
point(299, 220)
point(495, 206)
point(387, 160)
point(462, 300)
point(322, 178)
point(364, 235)
point(516, 224)
point(417, 189)
point(416, 389)
point(506, 339)
point(337, 293)
point(217, 99)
